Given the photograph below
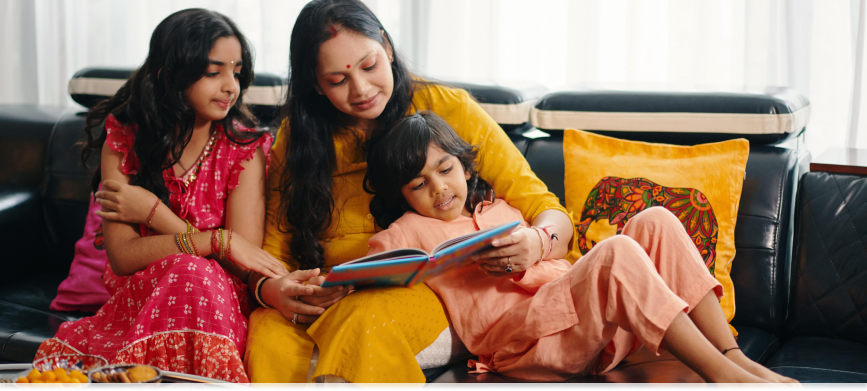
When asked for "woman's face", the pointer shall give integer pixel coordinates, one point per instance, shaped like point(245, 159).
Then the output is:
point(354, 72)
point(215, 93)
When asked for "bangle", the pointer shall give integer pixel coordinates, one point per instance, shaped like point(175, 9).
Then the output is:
point(541, 244)
point(186, 241)
point(258, 292)
point(153, 210)
point(220, 252)
point(178, 242)
point(215, 242)
point(190, 239)
point(190, 228)
point(229, 247)
point(550, 236)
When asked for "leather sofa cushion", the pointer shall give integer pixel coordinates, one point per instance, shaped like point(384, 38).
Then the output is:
point(829, 276)
point(763, 116)
point(821, 360)
point(510, 107)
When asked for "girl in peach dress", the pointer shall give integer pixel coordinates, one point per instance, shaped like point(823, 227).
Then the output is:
point(548, 320)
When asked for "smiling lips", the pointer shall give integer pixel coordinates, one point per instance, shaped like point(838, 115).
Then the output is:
point(368, 103)
point(223, 103)
point(446, 205)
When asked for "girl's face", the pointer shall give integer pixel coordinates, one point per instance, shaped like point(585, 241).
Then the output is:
point(216, 92)
point(440, 190)
point(354, 72)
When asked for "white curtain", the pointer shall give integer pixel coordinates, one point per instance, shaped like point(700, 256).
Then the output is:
point(805, 44)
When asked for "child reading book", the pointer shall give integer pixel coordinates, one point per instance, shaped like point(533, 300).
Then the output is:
point(553, 320)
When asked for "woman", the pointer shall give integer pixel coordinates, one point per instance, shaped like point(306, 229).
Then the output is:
point(347, 83)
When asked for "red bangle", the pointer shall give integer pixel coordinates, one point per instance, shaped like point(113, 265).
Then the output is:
point(215, 243)
point(551, 237)
point(153, 210)
point(190, 238)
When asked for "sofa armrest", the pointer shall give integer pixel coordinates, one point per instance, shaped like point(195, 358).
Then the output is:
point(20, 229)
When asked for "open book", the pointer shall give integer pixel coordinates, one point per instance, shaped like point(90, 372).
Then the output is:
point(410, 266)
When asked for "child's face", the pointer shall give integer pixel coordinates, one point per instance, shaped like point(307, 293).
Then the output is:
point(440, 190)
point(215, 93)
point(354, 73)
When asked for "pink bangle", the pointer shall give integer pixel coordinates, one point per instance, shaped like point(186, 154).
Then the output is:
point(153, 210)
point(541, 244)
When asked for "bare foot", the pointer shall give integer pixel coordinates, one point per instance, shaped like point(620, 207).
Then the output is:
point(744, 380)
point(757, 369)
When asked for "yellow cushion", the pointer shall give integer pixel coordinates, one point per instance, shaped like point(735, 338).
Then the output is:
point(609, 180)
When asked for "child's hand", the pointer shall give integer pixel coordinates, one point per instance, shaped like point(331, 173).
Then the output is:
point(123, 202)
point(251, 257)
point(516, 252)
point(324, 297)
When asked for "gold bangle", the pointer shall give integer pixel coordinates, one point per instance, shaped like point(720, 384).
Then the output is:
point(220, 233)
point(258, 292)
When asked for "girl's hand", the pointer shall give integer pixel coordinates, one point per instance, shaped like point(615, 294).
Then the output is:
point(324, 297)
point(521, 249)
point(125, 203)
point(282, 294)
point(251, 257)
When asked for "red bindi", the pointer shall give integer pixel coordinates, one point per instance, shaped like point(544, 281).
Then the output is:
point(347, 67)
point(333, 31)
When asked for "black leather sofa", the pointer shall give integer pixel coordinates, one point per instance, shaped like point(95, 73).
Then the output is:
point(800, 272)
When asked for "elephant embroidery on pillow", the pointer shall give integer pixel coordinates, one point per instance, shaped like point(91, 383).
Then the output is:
point(613, 201)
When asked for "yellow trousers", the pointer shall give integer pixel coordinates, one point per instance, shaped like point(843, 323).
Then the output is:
point(371, 336)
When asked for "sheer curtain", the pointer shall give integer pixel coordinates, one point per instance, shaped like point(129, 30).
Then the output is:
point(810, 45)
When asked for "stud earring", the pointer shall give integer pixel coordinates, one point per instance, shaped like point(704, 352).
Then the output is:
point(390, 58)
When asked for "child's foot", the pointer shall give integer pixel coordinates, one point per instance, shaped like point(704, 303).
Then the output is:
point(746, 381)
point(757, 369)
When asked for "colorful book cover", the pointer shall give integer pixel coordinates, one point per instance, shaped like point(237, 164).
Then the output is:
point(410, 266)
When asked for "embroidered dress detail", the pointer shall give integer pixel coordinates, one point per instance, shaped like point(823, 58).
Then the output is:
point(182, 313)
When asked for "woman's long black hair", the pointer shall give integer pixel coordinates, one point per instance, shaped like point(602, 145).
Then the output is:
point(306, 202)
point(153, 98)
point(397, 156)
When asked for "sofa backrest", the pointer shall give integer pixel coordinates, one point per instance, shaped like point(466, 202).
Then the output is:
point(829, 272)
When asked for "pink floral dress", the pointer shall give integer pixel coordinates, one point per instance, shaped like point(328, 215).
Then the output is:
point(182, 313)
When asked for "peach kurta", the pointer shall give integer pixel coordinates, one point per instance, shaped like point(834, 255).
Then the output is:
point(557, 320)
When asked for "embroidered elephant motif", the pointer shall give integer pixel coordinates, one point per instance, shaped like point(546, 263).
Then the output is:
point(613, 201)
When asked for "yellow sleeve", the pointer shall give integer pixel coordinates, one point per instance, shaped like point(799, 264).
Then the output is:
point(276, 242)
point(499, 162)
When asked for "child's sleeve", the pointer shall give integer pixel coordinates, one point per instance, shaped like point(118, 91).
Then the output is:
point(390, 239)
point(541, 274)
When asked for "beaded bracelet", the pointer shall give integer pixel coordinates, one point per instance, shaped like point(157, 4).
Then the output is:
point(186, 241)
point(178, 242)
point(258, 292)
point(193, 243)
point(153, 210)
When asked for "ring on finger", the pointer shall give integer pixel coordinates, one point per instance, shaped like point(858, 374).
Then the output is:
point(509, 265)
point(295, 318)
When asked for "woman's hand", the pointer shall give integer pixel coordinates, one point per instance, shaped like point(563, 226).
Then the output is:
point(251, 257)
point(125, 203)
point(283, 293)
point(324, 297)
point(521, 250)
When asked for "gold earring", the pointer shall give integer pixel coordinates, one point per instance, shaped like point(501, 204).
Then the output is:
point(390, 58)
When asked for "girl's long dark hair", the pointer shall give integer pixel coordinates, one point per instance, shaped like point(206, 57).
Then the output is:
point(306, 202)
point(153, 98)
point(395, 157)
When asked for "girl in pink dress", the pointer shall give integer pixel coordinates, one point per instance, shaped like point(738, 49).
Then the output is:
point(183, 206)
point(548, 320)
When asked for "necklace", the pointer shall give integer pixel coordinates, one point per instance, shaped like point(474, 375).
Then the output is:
point(205, 153)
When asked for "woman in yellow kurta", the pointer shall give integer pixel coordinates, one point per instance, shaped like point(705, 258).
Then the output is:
point(346, 83)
